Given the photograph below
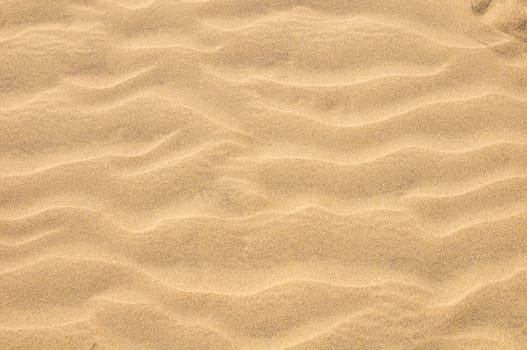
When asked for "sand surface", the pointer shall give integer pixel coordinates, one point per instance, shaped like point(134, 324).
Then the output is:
point(263, 174)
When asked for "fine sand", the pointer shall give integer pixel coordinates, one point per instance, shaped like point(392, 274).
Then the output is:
point(263, 174)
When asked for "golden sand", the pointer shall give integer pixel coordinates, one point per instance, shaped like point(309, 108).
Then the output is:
point(263, 174)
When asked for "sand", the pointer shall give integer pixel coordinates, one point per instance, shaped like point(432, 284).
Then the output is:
point(263, 174)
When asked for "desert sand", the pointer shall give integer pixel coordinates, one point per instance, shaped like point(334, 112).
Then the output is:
point(263, 174)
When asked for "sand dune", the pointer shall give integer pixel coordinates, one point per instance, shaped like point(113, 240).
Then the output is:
point(263, 174)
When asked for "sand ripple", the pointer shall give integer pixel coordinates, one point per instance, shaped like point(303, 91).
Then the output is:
point(263, 174)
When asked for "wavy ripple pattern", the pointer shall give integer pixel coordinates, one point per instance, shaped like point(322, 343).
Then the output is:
point(263, 174)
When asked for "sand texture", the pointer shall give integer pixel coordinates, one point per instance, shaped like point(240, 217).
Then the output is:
point(263, 174)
